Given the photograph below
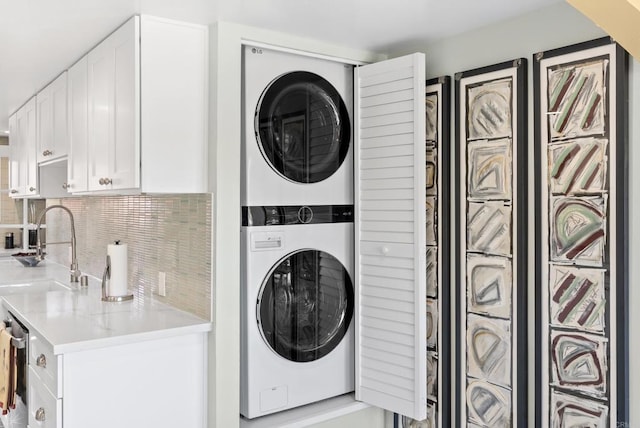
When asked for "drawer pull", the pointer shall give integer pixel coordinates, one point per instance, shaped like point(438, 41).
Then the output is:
point(47, 153)
point(41, 361)
point(40, 414)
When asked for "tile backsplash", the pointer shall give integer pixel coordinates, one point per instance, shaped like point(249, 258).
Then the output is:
point(164, 233)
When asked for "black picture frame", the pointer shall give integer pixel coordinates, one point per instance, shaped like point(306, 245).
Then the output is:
point(438, 141)
point(505, 85)
point(605, 260)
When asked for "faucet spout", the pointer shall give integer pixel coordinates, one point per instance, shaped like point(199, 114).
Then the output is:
point(73, 269)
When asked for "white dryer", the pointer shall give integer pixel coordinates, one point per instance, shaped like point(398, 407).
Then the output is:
point(297, 342)
point(298, 134)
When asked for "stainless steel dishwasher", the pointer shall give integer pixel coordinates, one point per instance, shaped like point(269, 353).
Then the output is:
point(18, 416)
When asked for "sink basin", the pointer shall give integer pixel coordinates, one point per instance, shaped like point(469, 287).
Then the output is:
point(33, 287)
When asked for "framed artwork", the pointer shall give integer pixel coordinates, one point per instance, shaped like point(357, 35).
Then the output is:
point(437, 146)
point(491, 246)
point(582, 230)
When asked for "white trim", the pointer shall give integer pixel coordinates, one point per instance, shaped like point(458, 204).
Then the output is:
point(309, 415)
point(248, 42)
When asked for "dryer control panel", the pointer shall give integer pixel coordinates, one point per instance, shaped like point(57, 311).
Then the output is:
point(296, 214)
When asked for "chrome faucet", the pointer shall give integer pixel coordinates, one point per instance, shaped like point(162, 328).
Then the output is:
point(73, 269)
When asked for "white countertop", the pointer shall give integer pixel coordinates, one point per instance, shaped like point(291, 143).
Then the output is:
point(75, 319)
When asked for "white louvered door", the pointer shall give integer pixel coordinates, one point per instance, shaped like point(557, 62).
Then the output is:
point(391, 368)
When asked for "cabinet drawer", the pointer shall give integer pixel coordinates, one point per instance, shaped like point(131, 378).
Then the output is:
point(46, 365)
point(45, 410)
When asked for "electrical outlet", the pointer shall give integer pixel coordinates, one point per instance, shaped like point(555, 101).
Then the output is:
point(162, 284)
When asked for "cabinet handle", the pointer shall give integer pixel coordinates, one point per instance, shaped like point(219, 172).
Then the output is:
point(47, 153)
point(108, 181)
point(40, 414)
point(41, 361)
point(14, 191)
point(32, 189)
point(66, 186)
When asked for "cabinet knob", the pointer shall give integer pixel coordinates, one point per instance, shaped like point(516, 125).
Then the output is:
point(41, 361)
point(107, 181)
point(47, 153)
point(66, 186)
point(32, 189)
point(40, 414)
point(14, 191)
point(384, 251)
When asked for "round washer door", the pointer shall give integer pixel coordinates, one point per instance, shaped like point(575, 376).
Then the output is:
point(305, 305)
point(302, 127)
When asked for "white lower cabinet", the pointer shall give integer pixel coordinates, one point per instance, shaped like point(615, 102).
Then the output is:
point(154, 383)
point(45, 410)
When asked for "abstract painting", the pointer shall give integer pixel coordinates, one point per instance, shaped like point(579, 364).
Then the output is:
point(578, 166)
point(432, 324)
point(572, 411)
point(489, 112)
point(432, 221)
point(432, 271)
point(489, 227)
point(431, 169)
point(489, 349)
point(577, 298)
point(581, 256)
point(432, 376)
point(578, 229)
point(489, 282)
point(489, 174)
point(579, 362)
point(491, 270)
point(488, 405)
point(437, 147)
point(576, 94)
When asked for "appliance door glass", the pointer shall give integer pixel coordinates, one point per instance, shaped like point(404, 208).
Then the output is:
point(302, 127)
point(305, 305)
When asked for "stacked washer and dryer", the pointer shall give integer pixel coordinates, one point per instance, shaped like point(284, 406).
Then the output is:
point(297, 296)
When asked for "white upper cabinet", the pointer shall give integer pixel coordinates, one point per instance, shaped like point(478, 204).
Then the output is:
point(391, 366)
point(15, 156)
point(129, 117)
point(27, 184)
point(77, 127)
point(51, 105)
point(114, 105)
point(147, 109)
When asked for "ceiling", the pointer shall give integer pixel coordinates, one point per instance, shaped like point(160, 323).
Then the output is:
point(40, 38)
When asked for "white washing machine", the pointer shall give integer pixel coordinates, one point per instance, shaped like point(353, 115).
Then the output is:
point(297, 130)
point(297, 343)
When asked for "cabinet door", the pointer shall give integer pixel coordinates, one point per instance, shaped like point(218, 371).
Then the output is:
point(77, 120)
point(51, 105)
point(28, 174)
point(29, 138)
point(59, 137)
point(44, 126)
point(391, 366)
point(15, 156)
point(114, 101)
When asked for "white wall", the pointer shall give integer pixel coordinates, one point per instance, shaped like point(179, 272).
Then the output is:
point(552, 27)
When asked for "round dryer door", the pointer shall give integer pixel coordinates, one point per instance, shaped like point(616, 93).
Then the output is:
point(305, 305)
point(302, 127)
